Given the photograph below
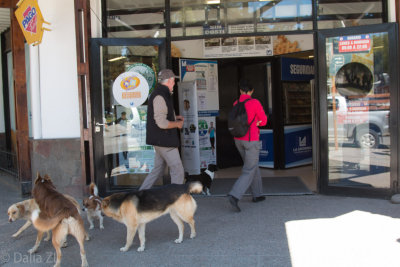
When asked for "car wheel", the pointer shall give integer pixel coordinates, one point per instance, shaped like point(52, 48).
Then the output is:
point(368, 138)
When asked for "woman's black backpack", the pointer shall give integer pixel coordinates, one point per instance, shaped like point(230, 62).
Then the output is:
point(237, 120)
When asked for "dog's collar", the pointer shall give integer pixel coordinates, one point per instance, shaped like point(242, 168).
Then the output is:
point(210, 173)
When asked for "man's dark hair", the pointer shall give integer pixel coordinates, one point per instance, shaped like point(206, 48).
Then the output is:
point(123, 113)
point(245, 86)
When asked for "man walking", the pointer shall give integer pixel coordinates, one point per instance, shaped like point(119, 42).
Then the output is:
point(161, 131)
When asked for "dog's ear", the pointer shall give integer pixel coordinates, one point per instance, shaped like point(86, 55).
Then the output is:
point(105, 202)
point(21, 208)
point(47, 178)
point(38, 177)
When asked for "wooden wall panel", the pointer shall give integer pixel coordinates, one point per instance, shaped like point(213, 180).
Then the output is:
point(21, 104)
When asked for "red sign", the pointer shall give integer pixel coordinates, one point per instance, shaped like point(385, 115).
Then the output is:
point(354, 45)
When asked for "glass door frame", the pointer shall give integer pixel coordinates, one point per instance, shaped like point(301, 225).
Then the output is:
point(321, 93)
point(104, 185)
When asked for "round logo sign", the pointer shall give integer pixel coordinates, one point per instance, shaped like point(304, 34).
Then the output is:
point(147, 73)
point(130, 89)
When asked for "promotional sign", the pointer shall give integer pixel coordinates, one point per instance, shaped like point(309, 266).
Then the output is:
point(266, 158)
point(246, 46)
point(189, 133)
point(296, 69)
point(147, 73)
point(130, 89)
point(298, 145)
point(30, 20)
point(356, 43)
point(205, 74)
point(207, 140)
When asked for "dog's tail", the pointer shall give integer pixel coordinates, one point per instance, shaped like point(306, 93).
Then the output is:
point(45, 224)
point(93, 190)
point(195, 187)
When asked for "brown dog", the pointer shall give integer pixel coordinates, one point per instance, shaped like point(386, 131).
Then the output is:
point(23, 210)
point(58, 214)
point(135, 209)
point(92, 206)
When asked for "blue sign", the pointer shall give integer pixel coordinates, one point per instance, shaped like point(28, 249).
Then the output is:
point(266, 158)
point(296, 69)
point(213, 29)
point(298, 145)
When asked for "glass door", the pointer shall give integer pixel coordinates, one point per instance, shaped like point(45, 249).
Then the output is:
point(358, 110)
point(123, 73)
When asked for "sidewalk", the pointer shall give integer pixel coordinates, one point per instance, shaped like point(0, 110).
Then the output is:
point(303, 231)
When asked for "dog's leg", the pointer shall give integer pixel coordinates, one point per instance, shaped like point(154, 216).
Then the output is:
point(37, 243)
point(180, 225)
point(130, 234)
point(142, 237)
point(77, 229)
point(26, 225)
point(89, 218)
point(59, 234)
point(208, 191)
point(87, 236)
point(48, 236)
point(100, 219)
point(187, 215)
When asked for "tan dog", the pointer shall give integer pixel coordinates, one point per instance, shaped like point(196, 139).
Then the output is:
point(92, 206)
point(58, 214)
point(135, 209)
point(23, 210)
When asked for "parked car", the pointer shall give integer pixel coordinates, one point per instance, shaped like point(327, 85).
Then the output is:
point(358, 121)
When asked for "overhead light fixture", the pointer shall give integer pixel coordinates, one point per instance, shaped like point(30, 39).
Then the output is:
point(116, 58)
point(213, 2)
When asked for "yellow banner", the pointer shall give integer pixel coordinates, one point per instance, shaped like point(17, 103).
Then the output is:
point(30, 20)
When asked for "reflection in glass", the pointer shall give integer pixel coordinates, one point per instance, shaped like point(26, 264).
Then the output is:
point(128, 158)
point(195, 17)
point(358, 111)
point(338, 14)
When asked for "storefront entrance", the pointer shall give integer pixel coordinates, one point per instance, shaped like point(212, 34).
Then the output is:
point(351, 110)
point(120, 68)
point(358, 92)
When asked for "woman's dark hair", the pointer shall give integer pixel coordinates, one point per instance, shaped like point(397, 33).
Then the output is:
point(245, 86)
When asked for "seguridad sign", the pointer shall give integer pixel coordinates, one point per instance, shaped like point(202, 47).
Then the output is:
point(30, 20)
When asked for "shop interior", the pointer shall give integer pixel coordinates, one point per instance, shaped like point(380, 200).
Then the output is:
point(268, 90)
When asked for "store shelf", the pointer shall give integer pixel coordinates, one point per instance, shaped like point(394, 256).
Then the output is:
point(296, 102)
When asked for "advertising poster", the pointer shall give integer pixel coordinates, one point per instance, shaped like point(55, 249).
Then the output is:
point(298, 145)
point(189, 134)
point(247, 46)
point(207, 141)
point(255, 46)
point(267, 148)
point(205, 74)
point(203, 77)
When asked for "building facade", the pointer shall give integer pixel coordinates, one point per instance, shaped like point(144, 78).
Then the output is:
point(60, 112)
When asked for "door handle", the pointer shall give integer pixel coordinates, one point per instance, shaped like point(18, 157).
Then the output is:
point(100, 124)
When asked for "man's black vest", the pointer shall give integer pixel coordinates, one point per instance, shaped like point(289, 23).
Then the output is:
point(155, 135)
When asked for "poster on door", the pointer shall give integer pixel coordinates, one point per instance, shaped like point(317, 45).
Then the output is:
point(189, 132)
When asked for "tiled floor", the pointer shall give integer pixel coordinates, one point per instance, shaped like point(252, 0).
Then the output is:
point(306, 173)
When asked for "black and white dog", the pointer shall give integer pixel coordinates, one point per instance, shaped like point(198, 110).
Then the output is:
point(205, 178)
